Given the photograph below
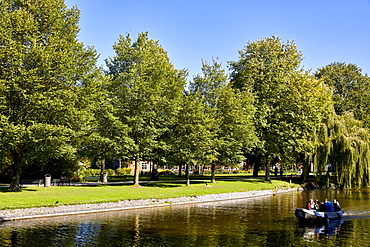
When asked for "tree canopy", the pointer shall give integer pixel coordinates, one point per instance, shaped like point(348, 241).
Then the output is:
point(232, 111)
point(44, 70)
point(351, 89)
point(145, 88)
point(289, 103)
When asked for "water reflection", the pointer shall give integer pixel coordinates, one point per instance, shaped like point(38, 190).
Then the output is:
point(310, 232)
point(260, 221)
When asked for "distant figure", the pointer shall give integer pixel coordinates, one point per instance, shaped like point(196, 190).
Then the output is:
point(328, 206)
point(336, 205)
point(310, 205)
point(317, 204)
point(321, 206)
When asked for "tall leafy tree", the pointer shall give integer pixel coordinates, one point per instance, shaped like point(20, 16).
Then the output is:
point(232, 112)
point(350, 154)
point(344, 137)
point(43, 73)
point(351, 89)
point(107, 138)
point(191, 135)
point(344, 145)
point(145, 90)
point(289, 103)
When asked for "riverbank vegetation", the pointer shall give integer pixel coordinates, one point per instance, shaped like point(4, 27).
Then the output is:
point(68, 195)
point(58, 107)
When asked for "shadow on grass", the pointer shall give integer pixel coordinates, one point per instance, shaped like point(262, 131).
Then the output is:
point(251, 181)
point(162, 185)
point(6, 190)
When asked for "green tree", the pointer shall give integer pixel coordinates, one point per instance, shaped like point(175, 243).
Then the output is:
point(43, 75)
point(107, 138)
point(289, 103)
point(344, 135)
point(344, 145)
point(232, 112)
point(191, 135)
point(351, 89)
point(145, 90)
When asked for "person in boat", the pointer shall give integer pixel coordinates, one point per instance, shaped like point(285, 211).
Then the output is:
point(336, 205)
point(320, 207)
point(328, 206)
point(317, 204)
point(310, 205)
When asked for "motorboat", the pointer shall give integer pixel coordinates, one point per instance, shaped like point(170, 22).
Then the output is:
point(312, 215)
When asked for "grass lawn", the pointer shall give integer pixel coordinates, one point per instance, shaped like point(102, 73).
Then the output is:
point(66, 195)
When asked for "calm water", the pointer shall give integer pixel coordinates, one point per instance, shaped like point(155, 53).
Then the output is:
point(261, 221)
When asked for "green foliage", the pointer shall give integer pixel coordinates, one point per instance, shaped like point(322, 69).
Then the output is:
point(346, 148)
point(231, 111)
point(351, 89)
point(43, 76)
point(90, 172)
point(145, 89)
point(123, 171)
point(191, 135)
point(289, 103)
point(110, 172)
point(107, 138)
point(344, 140)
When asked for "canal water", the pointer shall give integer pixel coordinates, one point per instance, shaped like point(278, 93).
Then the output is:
point(260, 221)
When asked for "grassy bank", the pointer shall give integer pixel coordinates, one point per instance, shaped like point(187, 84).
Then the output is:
point(67, 195)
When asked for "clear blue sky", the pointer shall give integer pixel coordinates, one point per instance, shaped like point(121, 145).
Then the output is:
point(325, 31)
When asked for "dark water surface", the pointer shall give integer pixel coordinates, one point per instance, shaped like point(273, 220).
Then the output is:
point(260, 221)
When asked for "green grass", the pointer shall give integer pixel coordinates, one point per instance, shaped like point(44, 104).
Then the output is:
point(67, 195)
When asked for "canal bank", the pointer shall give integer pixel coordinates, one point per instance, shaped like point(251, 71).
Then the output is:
point(63, 210)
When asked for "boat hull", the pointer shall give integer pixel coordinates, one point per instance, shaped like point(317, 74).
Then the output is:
point(316, 216)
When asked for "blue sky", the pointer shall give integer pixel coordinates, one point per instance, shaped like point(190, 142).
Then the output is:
point(325, 31)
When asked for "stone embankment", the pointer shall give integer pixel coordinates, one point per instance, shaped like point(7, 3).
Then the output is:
point(29, 213)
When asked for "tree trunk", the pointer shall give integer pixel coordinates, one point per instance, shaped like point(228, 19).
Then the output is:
point(306, 167)
point(213, 173)
point(154, 175)
point(187, 175)
point(136, 170)
point(202, 174)
point(103, 177)
point(16, 173)
point(180, 168)
point(267, 171)
point(256, 165)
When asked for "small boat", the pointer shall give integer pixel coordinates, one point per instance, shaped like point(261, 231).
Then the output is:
point(317, 216)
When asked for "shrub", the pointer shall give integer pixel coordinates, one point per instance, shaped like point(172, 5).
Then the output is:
point(123, 171)
point(110, 172)
point(90, 173)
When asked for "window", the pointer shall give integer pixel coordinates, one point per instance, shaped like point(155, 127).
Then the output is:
point(144, 165)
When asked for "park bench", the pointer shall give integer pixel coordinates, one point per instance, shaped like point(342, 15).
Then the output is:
point(32, 181)
point(61, 181)
point(91, 179)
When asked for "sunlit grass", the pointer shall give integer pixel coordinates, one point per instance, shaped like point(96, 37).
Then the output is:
point(66, 195)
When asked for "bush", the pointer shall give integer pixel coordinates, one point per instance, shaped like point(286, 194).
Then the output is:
point(123, 171)
point(90, 173)
point(77, 178)
point(110, 172)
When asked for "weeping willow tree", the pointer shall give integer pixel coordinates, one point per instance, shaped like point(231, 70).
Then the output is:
point(344, 143)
